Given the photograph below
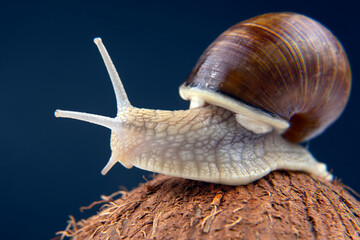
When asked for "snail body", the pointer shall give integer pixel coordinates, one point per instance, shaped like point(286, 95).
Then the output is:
point(222, 139)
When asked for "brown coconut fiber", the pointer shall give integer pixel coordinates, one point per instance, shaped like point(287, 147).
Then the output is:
point(282, 205)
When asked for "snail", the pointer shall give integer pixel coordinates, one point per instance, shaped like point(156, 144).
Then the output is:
point(262, 87)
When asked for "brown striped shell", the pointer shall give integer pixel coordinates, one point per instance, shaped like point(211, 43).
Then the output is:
point(285, 64)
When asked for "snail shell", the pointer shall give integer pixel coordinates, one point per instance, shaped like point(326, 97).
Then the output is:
point(285, 64)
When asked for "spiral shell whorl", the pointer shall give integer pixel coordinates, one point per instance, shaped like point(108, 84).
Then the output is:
point(285, 64)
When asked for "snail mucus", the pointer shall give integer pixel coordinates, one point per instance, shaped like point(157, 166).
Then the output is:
point(263, 86)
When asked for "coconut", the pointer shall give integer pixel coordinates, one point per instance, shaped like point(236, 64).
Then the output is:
point(281, 205)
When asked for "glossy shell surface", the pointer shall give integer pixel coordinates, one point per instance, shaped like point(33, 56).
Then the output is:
point(284, 64)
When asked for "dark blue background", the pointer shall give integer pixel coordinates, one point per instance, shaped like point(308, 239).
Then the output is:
point(50, 167)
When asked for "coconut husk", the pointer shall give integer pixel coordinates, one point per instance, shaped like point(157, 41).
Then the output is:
point(282, 205)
